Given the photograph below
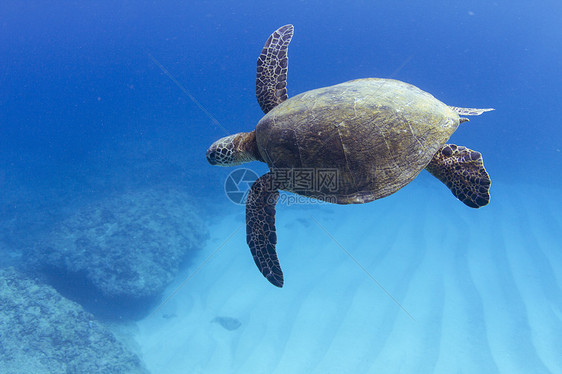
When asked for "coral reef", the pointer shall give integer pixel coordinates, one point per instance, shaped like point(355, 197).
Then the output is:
point(42, 332)
point(122, 250)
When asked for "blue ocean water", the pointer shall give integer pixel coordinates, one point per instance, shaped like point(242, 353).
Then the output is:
point(102, 98)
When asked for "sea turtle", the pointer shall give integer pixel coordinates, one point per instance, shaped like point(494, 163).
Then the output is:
point(354, 142)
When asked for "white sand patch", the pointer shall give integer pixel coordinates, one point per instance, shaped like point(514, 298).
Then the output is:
point(470, 291)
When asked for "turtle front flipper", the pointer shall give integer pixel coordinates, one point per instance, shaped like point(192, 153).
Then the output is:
point(260, 228)
point(271, 80)
point(462, 170)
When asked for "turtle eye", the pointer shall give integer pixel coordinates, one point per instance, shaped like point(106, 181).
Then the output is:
point(220, 155)
point(223, 151)
point(212, 156)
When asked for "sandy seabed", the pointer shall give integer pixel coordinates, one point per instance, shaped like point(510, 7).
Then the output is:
point(413, 283)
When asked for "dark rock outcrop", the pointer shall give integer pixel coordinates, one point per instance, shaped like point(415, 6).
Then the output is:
point(42, 332)
point(118, 254)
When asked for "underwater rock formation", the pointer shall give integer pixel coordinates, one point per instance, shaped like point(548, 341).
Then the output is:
point(121, 251)
point(42, 332)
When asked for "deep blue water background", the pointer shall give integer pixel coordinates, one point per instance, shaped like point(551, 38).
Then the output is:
point(77, 81)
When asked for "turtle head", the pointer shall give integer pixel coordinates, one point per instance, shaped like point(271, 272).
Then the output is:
point(234, 150)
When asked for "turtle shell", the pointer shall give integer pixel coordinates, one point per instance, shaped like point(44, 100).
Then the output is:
point(353, 142)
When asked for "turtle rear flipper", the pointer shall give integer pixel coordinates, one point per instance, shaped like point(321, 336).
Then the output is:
point(462, 170)
point(470, 111)
point(260, 228)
